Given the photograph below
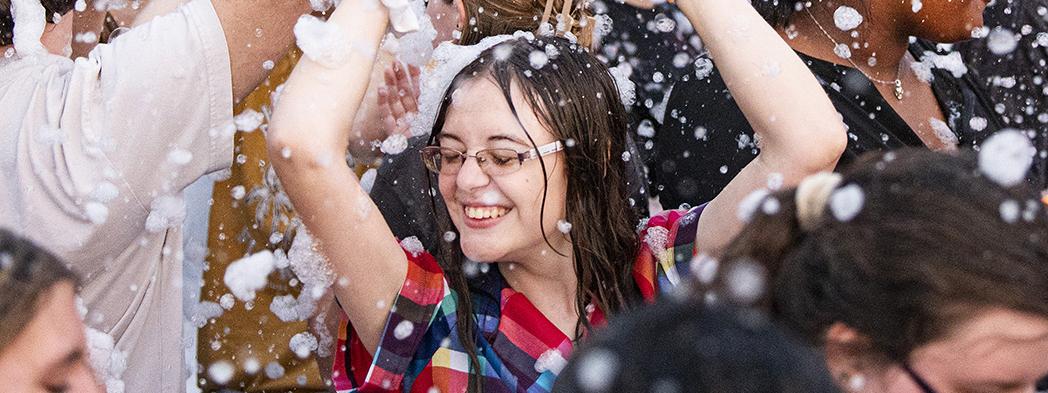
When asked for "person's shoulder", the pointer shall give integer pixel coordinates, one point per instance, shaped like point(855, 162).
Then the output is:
point(33, 70)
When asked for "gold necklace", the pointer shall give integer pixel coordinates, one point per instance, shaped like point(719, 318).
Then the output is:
point(896, 84)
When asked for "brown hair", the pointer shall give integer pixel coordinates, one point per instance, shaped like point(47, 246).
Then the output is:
point(934, 242)
point(485, 18)
point(7, 22)
point(26, 273)
point(574, 96)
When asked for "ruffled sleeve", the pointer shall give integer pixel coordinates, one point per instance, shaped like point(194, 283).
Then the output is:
point(416, 307)
point(666, 250)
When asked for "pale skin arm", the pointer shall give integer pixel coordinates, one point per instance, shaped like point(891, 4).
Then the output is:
point(799, 129)
point(312, 122)
point(239, 18)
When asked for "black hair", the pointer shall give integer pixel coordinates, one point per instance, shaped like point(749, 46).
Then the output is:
point(27, 272)
point(688, 348)
point(934, 243)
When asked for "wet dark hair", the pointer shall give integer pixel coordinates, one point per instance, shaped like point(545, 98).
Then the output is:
point(486, 18)
point(27, 272)
point(777, 12)
point(935, 243)
point(574, 96)
point(688, 348)
point(7, 22)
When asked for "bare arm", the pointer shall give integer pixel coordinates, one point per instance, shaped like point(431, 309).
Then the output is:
point(799, 130)
point(255, 30)
point(307, 139)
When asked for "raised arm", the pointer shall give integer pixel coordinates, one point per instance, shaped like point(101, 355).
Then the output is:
point(798, 129)
point(307, 143)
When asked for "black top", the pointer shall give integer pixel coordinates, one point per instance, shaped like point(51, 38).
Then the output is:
point(1016, 79)
point(705, 140)
point(657, 46)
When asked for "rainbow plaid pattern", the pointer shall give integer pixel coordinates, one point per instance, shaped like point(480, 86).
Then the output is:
point(518, 348)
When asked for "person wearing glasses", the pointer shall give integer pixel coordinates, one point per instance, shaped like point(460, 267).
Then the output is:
point(43, 343)
point(538, 242)
point(935, 283)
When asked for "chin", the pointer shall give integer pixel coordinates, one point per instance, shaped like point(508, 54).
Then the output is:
point(482, 250)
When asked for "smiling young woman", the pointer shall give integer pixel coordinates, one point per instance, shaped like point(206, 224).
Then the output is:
point(539, 240)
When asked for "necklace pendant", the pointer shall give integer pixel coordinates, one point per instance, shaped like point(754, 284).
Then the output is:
point(898, 90)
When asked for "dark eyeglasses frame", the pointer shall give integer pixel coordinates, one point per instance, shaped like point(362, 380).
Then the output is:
point(921, 383)
point(434, 151)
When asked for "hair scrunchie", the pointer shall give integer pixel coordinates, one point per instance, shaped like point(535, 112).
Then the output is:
point(811, 197)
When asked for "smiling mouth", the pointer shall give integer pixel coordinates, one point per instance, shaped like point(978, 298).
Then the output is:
point(485, 212)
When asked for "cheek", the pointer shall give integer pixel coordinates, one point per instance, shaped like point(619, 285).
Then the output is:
point(446, 186)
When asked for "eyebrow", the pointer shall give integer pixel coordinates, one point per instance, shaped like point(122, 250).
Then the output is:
point(493, 138)
point(508, 138)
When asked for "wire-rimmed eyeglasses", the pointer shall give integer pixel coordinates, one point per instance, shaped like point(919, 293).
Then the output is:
point(494, 162)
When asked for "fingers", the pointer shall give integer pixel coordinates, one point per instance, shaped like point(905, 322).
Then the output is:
point(405, 89)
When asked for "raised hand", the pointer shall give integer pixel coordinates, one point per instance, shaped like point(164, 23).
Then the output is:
point(398, 99)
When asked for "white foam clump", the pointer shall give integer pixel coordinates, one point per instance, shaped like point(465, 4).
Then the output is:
point(96, 212)
point(291, 309)
point(564, 226)
point(664, 23)
point(943, 132)
point(29, 27)
point(1010, 211)
point(703, 67)
point(307, 263)
point(749, 205)
point(248, 120)
point(322, 42)
point(403, 330)
point(447, 60)
point(951, 62)
point(1005, 157)
point(551, 360)
point(247, 275)
point(401, 15)
point(167, 211)
point(627, 89)
point(846, 202)
point(107, 361)
point(538, 59)
point(597, 370)
point(227, 301)
point(416, 47)
point(916, 5)
point(413, 245)
point(745, 281)
point(846, 18)
point(1001, 41)
point(394, 144)
point(302, 344)
point(204, 311)
point(221, 372)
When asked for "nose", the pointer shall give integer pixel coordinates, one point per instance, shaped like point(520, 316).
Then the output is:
point(471, 176)
point(82, 380)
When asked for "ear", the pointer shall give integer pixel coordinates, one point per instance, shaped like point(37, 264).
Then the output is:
point(460, 5)
point(846, 350)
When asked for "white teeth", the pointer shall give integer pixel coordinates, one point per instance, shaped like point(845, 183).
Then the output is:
point(481, 213)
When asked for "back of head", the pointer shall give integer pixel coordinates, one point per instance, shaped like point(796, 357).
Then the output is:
point(684, 347)
point(26, 273)
point(485, 18)
point(7, 23)
point(906, 245)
